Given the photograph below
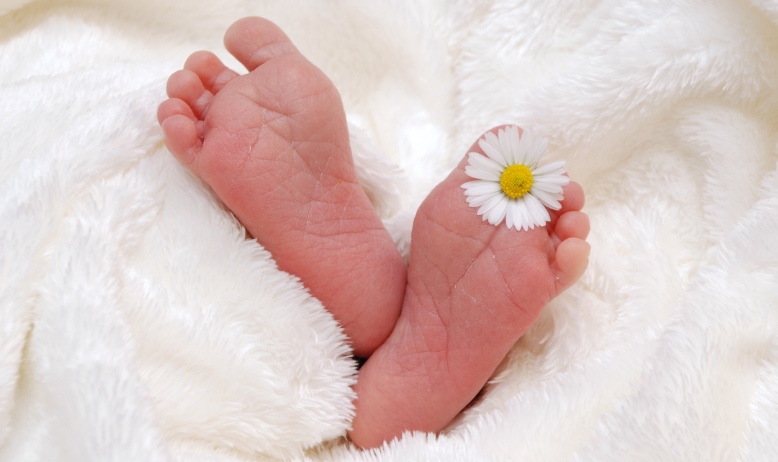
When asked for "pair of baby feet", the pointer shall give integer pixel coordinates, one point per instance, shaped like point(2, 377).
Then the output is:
point(274, 146)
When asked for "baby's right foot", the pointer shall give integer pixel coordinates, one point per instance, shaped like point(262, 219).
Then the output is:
point(274, 146)
point(473, 290)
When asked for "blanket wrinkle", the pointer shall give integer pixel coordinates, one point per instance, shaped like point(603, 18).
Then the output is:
point(137, 322)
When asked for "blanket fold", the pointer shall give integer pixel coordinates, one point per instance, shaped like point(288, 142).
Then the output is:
point(137, 322)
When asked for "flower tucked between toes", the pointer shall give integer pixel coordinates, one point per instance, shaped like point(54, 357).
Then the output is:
point(509, 181)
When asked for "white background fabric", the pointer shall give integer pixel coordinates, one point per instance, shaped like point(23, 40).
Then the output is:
point(137, 323)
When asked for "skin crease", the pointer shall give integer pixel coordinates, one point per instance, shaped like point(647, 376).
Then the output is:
point(274, 146)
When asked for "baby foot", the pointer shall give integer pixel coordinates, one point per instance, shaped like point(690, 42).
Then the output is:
point(473, 290)
point(273, 144)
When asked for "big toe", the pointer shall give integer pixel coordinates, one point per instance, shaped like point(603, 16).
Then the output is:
point(473, 290)
point(254, 41)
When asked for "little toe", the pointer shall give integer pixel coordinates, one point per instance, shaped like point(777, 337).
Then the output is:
point(572, 258)
point(187, 86)
point(174, 106)
point(572, 224)
point(210, 69)
point(181, 137)
point(254, 41)
point(574, 198)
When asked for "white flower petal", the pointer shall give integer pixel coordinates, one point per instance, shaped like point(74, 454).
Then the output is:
point(477, 201)
point(482, 174)
point(497, 214)
point(537, 213)
point(492, 139)
point(515, 142)
point(552, 189)
point(530, 221)
point(527, 141)
point(481, 212)
point(545, 198)
point(489, 205)
point(509, 213)
point(484, 163)
point(490, 144)
point(551, 168)
point(559, 180)
point(521, 219)
point(537, 151)
point(527, 137)
point(504, 137)
point(480, 187)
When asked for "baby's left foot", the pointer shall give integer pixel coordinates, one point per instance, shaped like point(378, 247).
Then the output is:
point(473, 290)
point(274, 146)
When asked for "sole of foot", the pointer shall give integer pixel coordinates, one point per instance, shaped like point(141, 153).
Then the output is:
point(273, 144)
point(473, 290)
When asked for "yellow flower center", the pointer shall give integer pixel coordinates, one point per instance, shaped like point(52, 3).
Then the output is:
point(516, 180)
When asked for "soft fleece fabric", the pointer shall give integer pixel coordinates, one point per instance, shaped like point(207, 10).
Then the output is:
point(138, 323)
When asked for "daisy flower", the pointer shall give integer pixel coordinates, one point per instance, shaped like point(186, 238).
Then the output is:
point(510, 183)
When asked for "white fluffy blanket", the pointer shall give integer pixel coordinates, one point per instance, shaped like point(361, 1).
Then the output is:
point(137, 322)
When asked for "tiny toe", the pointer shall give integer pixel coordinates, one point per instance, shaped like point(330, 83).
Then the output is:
point(187, 86)
point(572, 258)
point(572, 224)
point(573, 198)
point(212, 72)
point(174, 106)
point(181, 137)
point(254, 41)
